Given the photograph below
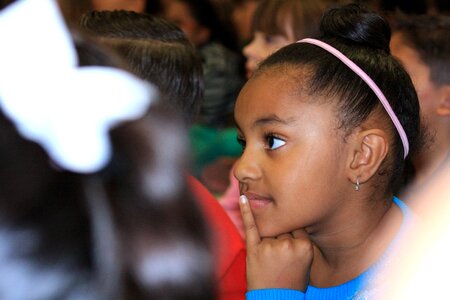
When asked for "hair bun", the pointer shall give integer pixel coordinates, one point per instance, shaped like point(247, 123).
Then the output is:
point(358, 25)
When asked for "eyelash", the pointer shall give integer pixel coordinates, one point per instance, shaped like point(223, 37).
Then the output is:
point(268, 145)
point(241, 141)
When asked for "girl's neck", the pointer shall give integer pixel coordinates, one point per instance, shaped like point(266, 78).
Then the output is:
point(346, 251)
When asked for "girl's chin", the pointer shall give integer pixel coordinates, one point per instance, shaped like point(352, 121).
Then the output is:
point(268, 229)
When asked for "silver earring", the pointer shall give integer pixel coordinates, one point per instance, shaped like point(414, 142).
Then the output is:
point(357, 184)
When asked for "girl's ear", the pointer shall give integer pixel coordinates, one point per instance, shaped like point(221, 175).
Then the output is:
point(443, 108)
point(369, 149)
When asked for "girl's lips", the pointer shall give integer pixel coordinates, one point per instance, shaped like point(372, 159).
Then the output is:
point(257, 201)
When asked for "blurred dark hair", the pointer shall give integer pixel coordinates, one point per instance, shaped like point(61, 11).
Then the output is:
point(73, 10)
point(273, 17)
point(153, 7)
point(430, 37)
point(412, 7)
point(4, 3)
point(129, 231)
point(441, 6)
point(205, 13)
point(157, 51)
point(363, 36)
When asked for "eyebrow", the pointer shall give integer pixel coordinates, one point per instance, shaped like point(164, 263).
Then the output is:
point(272, 119)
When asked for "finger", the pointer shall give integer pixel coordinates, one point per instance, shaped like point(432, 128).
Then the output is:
point(251, 231)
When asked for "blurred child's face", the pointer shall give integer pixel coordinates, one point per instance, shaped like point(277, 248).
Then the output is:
point(242, 19)
point(179, 13)
point(292, 169)
point(262, 46)
point(429, 94)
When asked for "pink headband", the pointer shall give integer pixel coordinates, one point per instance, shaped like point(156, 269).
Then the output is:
point(369, 82)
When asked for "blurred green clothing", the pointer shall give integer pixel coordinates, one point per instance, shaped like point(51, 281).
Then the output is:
point(209, 144)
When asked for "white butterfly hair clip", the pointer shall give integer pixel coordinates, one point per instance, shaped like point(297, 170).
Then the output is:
point(67, 109)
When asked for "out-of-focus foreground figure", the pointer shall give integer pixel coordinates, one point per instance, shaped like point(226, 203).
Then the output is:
point(93, 199)
point(420, 269)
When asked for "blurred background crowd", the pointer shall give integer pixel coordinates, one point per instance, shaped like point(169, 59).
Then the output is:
point(198, 54)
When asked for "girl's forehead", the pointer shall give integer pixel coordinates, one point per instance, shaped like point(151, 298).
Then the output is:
point(279, 88)
point(289, 79)
point(270, 102)
point(271, 91)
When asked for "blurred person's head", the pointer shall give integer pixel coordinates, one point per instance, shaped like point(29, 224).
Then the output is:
point(422, 44)
point(277, 23)
point(242, 16)
point(157, 51)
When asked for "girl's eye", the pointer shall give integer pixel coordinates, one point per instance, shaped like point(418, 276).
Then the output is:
point(275, 39)
point(274, 142)
point(241, 142)
point(269, 39)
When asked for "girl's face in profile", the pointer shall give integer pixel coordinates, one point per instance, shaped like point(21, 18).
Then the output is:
point(262, 46)
point(292, 167)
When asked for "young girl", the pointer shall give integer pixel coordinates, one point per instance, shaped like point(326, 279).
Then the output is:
point(324, 143)
point(275, 24)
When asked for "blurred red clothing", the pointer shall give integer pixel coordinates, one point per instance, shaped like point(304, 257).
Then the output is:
point(228, 245)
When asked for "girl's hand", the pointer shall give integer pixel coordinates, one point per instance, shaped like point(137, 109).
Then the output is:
point(279, 262)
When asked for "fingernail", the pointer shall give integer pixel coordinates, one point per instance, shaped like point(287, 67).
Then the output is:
point(243, 199)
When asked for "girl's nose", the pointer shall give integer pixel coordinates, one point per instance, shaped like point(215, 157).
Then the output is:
point(246, 168)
